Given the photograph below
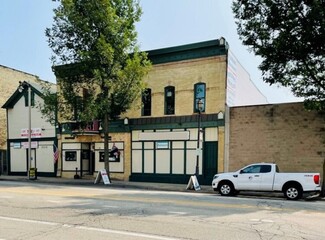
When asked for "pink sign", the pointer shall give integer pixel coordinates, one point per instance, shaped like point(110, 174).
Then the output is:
point(36, 133)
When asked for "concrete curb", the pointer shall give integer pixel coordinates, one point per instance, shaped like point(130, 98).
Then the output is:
point(117, 184)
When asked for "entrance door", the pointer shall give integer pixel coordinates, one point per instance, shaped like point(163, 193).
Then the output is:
point(210, 161)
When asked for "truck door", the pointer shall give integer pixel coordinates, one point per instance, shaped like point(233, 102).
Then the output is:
point(267, 177)
point(249, 178)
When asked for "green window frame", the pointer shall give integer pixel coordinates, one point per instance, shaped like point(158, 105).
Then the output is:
point(169, 100)
point(146, 102)
point(26, 98)
point(199, 94)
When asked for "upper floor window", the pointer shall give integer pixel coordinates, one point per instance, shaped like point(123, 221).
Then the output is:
point(79, 103)
point(146, 102)
point(26, 99)
point(199, 95)
point(169, 100)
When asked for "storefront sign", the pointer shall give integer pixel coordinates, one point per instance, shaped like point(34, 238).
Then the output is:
point(17, 145)
point(32, 145)
point(193, 183)
point(102, 174)
point(162, 144)
point(36, 133)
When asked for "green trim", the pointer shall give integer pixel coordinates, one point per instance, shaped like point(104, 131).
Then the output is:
point(185, 156)
point(197, 96)
point(166, 178)
point(15, 97)
point(116, 126)
point(187, 52)
point(32, 139)
point(170, 157)
point(164, 55)
point(154, 157)
point(142, 157)
point(39, 174)
point(176, 122)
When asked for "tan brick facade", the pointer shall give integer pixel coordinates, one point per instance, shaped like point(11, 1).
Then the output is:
point(9, 82)
point(285, 134)
point(183, 75)
point(116, 137)
point(166, 145)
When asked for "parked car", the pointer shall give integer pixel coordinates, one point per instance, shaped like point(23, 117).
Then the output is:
point(266, 177)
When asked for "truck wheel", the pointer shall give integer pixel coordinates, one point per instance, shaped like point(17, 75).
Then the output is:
point(226, 189)
point(293, 192)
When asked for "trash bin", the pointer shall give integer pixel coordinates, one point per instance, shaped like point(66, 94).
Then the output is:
point(32, 173)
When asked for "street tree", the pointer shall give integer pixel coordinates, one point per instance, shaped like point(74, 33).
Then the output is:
point(96, 60)
point(289, 36)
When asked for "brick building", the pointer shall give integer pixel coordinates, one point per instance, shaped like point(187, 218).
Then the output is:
point(285, 134)
point(160, 142)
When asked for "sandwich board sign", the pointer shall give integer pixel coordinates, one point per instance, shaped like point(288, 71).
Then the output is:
point(102, 175)
point(193, 183)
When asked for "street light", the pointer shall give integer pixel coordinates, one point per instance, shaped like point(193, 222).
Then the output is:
point(23, 85)
point(199, 106)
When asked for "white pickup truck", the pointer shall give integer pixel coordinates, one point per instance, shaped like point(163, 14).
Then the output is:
point(266, 177)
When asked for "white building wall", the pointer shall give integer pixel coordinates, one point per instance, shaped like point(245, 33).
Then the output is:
point(41, 146)
point(18, 119)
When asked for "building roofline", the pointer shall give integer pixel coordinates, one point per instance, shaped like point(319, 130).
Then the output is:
point(204, 49)
point(20, 71)
point(190, 51)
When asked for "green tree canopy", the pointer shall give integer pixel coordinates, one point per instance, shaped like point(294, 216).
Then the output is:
point(96, 59)
point(94, 44)
point(289, 36)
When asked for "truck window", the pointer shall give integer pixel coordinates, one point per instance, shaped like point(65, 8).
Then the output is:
point(277, 169)
point(266, 169)
point(252, 169)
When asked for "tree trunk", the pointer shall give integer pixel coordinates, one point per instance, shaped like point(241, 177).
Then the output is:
point(106, 141)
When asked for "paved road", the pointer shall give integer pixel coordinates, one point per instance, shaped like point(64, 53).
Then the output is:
point(43, 211)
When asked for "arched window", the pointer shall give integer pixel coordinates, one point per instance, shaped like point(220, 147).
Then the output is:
point(146, 102)
point(199, 94)
point(169, 100)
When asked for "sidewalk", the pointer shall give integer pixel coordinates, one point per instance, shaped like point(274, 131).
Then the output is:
point(143, 185)
point(114, 184)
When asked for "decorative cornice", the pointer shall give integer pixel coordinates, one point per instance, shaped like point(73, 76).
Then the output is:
point(187, 52)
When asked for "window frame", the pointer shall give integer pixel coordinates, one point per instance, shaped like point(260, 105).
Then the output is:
point(169, 108)
point(73, 159)
point(198, 96)
point(146, 102)
point(27, 100)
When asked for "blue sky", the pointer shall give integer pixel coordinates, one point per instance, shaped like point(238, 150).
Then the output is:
point(164, 23)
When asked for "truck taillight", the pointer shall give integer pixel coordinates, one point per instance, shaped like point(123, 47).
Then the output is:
point(316, 179)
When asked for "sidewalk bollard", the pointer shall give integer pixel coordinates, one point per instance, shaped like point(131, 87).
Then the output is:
point(76, 176)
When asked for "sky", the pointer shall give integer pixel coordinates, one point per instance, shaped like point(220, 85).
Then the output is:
point(164, 23)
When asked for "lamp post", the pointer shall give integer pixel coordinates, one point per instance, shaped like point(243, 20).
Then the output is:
point(23, 85)
point(199, 106)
